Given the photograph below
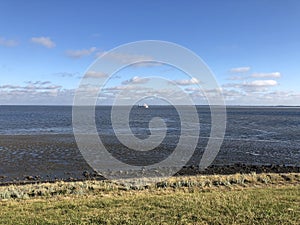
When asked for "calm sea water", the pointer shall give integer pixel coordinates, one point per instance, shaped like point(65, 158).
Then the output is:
point(254, 123)
point(254, 134)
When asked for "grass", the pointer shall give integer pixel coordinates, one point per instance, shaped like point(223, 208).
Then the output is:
point(231, 199)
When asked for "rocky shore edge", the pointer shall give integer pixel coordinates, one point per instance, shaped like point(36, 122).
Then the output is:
point(238, 168)
point(190, 170)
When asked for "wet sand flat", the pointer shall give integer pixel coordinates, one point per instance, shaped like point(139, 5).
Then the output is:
point(56, 157)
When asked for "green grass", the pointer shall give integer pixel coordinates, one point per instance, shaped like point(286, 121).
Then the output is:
point(234, 199)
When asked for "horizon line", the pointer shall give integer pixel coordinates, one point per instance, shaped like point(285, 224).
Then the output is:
point(226, 105)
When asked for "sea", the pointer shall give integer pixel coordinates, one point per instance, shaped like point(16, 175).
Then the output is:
point(32, 136)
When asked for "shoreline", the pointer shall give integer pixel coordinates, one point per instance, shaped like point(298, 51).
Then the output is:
point(221, 170)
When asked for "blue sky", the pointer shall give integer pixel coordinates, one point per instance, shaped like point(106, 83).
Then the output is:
point(252, 47)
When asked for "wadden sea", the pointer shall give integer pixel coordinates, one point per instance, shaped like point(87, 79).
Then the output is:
point(37, 142)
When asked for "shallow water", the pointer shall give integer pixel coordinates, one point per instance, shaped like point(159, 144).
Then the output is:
point(265, 124)
point(39, 139)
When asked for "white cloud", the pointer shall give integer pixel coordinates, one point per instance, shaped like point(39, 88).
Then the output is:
point(80, 53)
point(187, 82)
point(237, 78)
point(193, 89)
point(253, 86)
point(232, 93)
point(41, 83)
point(133, 92)
point(136, 80)
point(47, 97)
point(128, 58)
point(95, 74)
point(44, 41)
point(262, 83)
point(258, 85)
point(9, 86)
point(240, 69)
point(255, 83)
point(67, 74)
point(266, 98)
point(8, 43)
point(31, 86)
point(266, 75)
point(120, 88)
point(248, 95)
point(35, 92)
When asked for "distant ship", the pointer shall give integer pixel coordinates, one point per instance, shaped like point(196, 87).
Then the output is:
point(145, 106)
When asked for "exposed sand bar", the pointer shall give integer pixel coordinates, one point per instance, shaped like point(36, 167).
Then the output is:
point(31, 158)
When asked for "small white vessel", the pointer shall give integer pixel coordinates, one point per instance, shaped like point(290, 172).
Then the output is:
point(145, 106)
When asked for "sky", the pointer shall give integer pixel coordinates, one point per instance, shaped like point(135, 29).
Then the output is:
point(252, 47)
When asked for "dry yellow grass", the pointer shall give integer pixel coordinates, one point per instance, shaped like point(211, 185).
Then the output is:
point(229, 199)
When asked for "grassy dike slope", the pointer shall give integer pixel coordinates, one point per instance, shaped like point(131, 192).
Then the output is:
point(218, 199)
